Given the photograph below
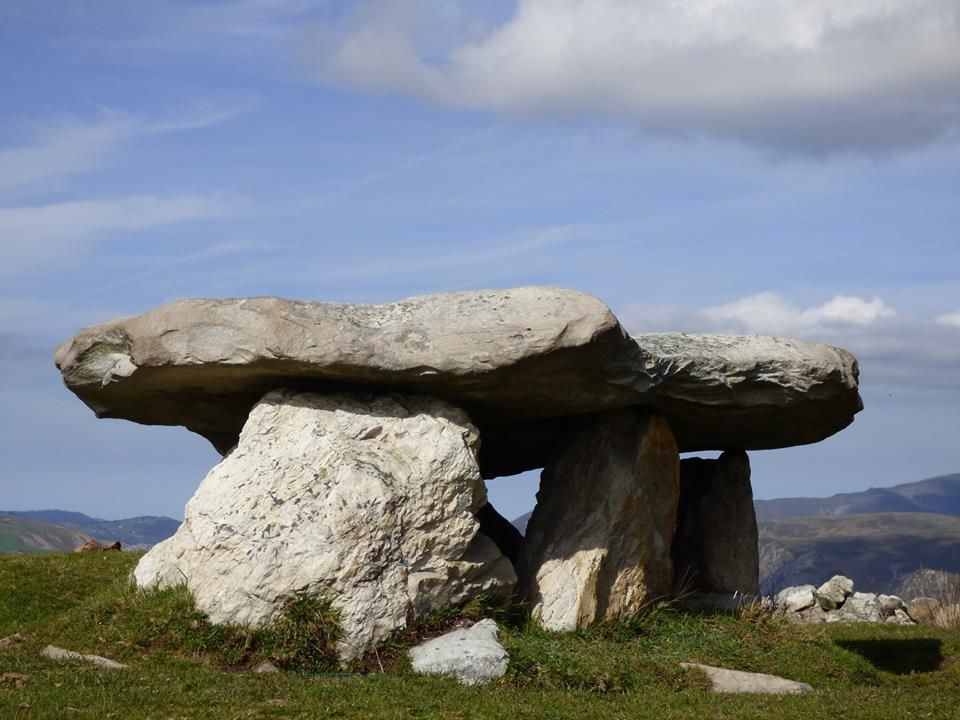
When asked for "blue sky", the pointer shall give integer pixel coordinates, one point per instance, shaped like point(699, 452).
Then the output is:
point(741, 166)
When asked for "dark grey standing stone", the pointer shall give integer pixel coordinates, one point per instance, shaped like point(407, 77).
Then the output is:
point(715, 548)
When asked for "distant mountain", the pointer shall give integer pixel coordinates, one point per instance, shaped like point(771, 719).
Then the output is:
point(939, 494)
point(934, 495)
point(145, 530)
point(57, 517)
point(24, 535)
point(878, 551)
point(878, 536)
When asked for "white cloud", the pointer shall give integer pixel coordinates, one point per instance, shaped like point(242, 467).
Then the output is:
point(50, 234)
point(63, 149)
point(950, 319)
point(770, 313)
point(893, 349)
point(809, 76)
point(73, 145)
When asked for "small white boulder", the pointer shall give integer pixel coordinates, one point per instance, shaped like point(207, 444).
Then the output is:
point(834, 592)
point(473, 656)
point(795, 599)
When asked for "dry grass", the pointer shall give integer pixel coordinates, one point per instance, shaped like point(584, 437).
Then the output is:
point(938, 602)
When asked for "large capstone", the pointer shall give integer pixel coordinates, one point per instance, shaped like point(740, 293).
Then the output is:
point(521, 362)
point(598, 542)
point(716, 546)
point(368, 501)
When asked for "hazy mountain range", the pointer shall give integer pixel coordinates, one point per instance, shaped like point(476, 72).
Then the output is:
point(877, 536)
point(37, 530)
point(939, 494)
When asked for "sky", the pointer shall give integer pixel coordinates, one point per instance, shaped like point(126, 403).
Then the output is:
point(780, 167)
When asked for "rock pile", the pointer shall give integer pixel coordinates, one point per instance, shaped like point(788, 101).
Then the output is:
point(356, 440)
point(836, 601)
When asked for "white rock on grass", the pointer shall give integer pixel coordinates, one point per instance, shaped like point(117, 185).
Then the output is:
point(737, 681)
point(795, 599)
point(366, 501)
point(473, 656)
point(56, 653)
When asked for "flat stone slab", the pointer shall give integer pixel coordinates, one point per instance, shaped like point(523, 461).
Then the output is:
point(518, 361)
point(53, 652)
point(473, 656)
point(738, 681)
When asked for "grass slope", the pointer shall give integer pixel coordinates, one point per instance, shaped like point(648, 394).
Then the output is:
point(181, 667)
point(875, 550)
point(21, 535)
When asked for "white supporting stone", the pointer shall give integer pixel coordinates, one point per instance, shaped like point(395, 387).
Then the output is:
point(368, 501)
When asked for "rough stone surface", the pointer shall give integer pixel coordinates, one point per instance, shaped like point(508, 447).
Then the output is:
point(795, 599)
point(737, 681)
point(813, 615)
point(899, 617)
point(89, 545)
point(716, 548)
point(367, 501)
point(889, 604)
point(515, 360)
point(55, 653)
point(835, 602)
point(859, 607)
point(496, 527)
point(473, 656)
point(598, 542)
point(834, 592)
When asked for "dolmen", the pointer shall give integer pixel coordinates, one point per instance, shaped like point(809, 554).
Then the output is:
point(356, 440)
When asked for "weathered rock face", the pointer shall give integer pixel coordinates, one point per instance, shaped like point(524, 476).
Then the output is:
point(795, 599)
point(715, 549)
point(834, 592)
point(367, 501)
point(598, 542)
point(518, 361)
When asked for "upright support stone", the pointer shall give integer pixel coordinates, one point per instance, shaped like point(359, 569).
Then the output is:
point(367, 501)
point(715, 549)
point(598, 543)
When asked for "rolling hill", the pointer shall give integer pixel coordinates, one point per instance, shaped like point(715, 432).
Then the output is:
point(876, 550)
point(877, 537)
point(25, 535)
point(939, 494)
point(140, 531)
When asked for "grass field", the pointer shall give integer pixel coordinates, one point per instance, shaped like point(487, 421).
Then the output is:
point(182, 667)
